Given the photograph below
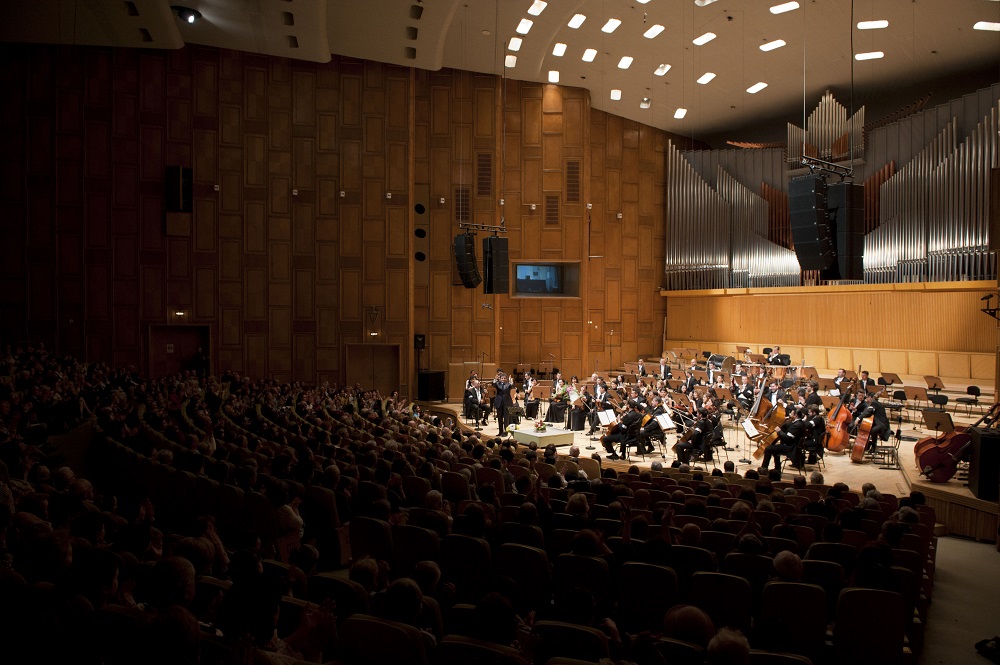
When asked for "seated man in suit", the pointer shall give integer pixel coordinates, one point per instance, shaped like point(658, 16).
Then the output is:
point(789, 437)
point(652, 427)
point(700, 439)
point(631, 416)
point(870, 407)
point(815, 432)
point(475, 406)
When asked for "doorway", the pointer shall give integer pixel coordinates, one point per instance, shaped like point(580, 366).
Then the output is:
point(175, 348)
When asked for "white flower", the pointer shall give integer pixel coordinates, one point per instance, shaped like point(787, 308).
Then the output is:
point(511, 427)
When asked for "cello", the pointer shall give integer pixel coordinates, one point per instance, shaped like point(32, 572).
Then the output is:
point(938, 457)
point(864, 433)
point(837, 436)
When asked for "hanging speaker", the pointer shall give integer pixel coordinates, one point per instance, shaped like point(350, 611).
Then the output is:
point(807, 207)
point(495, 267)
point(846, 205)
point(465, 260)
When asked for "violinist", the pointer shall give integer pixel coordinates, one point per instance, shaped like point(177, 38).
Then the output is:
point(600, 403)
point(530, 403)
point(790, 436)
point(870, 407)
point(689, 381)
point(815, 429)
point(652, 427)
point(696, 401)
point(630, 417)
point(558, 405)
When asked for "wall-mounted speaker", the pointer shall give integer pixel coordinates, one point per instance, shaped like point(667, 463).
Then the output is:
point(177, 189)
point(807, 207)
point(495, 267)
point(419, 342)
point(465, 260)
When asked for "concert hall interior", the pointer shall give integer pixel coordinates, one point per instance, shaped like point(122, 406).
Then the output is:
point(224, 222)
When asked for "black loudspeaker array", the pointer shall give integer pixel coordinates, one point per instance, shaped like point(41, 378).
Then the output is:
point(807, 207)
point(497, 273)
point(984, 464)
point(465, 260)
point(846, 219)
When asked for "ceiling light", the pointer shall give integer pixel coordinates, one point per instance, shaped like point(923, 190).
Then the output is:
point(986, 25)
point(515, 44)
point(756, 87)
point(524, 26)
point(186, 14)
point(706, 77)
point(662, 69)
point(872, 55)
point(589, 55)
point(625, 62)
point(616, 95)
point(642, 2)
point(537, 7)
point(703, 3)
point(652, 32)
point(872, 25)
point(704, 39)
point(784, 7)
point(577, 21)
point(680, 113)
point(559, 50)
point(553, 76)
point(510, 61)
point(611, 25)
point(770, 46)
point(645, 103)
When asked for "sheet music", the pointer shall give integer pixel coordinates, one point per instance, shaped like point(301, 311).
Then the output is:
point(834, 393)
point(607, 417)
point(665, 422)
point(574, 397)
point(749, 428)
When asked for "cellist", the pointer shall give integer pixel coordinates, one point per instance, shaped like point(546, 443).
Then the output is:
point(872, 408)
point(789, 438)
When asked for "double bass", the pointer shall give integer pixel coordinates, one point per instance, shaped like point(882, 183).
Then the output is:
point(837, 436)
point(938, 457)
point(864, 433)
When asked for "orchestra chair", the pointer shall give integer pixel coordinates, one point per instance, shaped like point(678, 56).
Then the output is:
point(727, 599)
point(972, 400)
point(369, 640)
point(567, 640)
point(645, 592)
point(758, 657)
point(939, 401)
point(786, 604)
point(855, 641)
point(632, 439)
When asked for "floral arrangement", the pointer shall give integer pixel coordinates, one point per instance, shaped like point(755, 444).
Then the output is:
point(540, 425)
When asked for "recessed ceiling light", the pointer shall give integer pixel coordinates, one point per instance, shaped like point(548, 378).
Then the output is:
point(537, 7)
point(616, 95)
point(987, 25)
point(706, 77)
point(553, 76)
point(703, 3)
point(662, 69)
point(577, 21)
point(625, 62)
point(756, 87)
point(784, 7)
point(652, 32)
point(645, 103)
point(871, 55)
point(680, 113)
point(589, 55)
point(559, 50)
point(704, 39)
point(524, 26)
point(770, 46)
point(611, 25)
point(872, 25)
point(186, 14)
point(515, 44)
point(510, 61)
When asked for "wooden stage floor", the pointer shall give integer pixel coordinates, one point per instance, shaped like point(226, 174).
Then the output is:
point(960, 513)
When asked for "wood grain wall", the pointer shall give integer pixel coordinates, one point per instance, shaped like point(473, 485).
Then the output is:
point(294, 248)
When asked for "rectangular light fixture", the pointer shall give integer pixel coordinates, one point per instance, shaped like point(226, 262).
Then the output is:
point(616, 95)
point(642, 2)
point(784, 7)
point(986, 25)
point(559, 50)
point(680, 113)
point(576, 21)
point(770, 46)
point(703, 3)
point(704, 39)
point(625, 62)
point(553, 76)
point(611, 25)
point(537, 7)
point(510, 61)
point(662, 69)
point(871, 55)
point(645, 103)
point(524, 27)
point(653, 31)
point(515, 44)
point(756, 87)
point(706, 77)
point(872, 25)
point(589, 55)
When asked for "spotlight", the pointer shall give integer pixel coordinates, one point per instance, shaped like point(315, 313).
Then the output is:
point(186, 14)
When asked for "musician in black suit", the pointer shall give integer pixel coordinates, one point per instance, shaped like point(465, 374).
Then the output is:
point(700, 440)
point(503, 400)
point(789, 437)
point(866, 383)
point(641, 369)
point(600, 403)
point(744, 393)
point(631, 416)
point(689, 382)
point(474, 404)
point(774, 394)
point(839, 379)
point(652, 427)
point(774, 358)
point(530, 403)
point(815, 432)
point(665, 372)
point(812, 396)
point(872, 408)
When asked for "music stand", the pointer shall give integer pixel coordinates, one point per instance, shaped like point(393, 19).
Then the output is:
point(540, 394)
point(934, 383)
point(757, 358)
point(939, 421)
point(523, 367)
point(826, 384)
point(742, 350)
point(892, 379)
point(829, 403)
point(545, 368)
point(810, 373)
point(850, 374)
point(701, 375)
point(915, 395)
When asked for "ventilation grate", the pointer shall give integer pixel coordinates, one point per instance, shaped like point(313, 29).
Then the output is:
point(484, 174)
point(462, 213)
point(551, 210)
point(573, 181)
